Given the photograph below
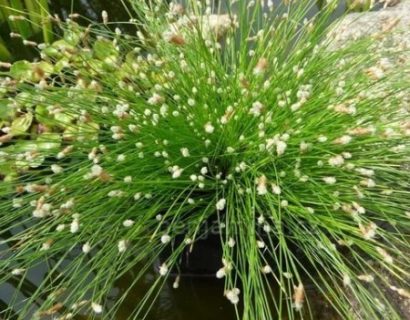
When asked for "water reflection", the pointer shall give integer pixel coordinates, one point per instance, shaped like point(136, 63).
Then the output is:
point(201, 297)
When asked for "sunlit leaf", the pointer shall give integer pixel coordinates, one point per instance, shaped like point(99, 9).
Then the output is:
point(20, 125)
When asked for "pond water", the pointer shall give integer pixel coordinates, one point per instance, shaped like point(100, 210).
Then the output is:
point(198, 297)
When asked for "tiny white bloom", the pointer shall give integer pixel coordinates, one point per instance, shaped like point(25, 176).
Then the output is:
point(266, 228)
point(86, 247)
point(231, 242)
point(266, 269)
point(261, 219)
point(96, 170)
point(156, 99)
point(122, 245)
point(17, 271)
point(284, 203)
point(329, 180)
point(256, 109)
point(185, 152)
point(261, 185)
point(75, 226)
point(344, 139)
point(209, 128)
point(366, 277)
point(365, 172)
point(221, 273)
point(230, 150)
point(281, 147)
point(336, 161)
point(176, 172)
point(276, 189)
point(97, 308)
point(191, 102)
point(233, 295)
point(165, 238)
point(128, 223)
point(220, 205)
point(260, 244)
point(56, 169)
point(60, 227)
point(346, 280)
point(163, 269)
point(128, 179)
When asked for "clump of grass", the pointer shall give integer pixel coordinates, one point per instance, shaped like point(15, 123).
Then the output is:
point(238, 114)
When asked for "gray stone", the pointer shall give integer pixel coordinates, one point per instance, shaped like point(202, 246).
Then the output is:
point(390, 25)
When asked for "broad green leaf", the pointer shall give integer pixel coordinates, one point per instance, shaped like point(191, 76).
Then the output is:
point(21, 70)
point(61, 64)
point(52, 52)
point(6, 111)
point(36, 161)
point(63, 119)
point(20, 125)
point(48, 141)
point(104, 49)
point(72, 37)
point(43, 116)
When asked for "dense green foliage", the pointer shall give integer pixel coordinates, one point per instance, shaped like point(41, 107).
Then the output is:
point(236, 113)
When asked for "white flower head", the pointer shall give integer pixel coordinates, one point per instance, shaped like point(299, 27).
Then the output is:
point(231, 242)
point(281, 147)
point(261, 185)
point(329, 180)
point(75, 225)
point(165, 238)
point(209, 128)
point(220, 205)
point(233, 295)
point(368, 231)
point(18, 271)
point(86, 247)
point(185, 152)
point(298, 297)
point(163, 269)
point(267, 269)
point(176, 172)
point(344, 139)
point(276, 189)
point(156, 99)
point(256, 109)
point(260, 244)
point(261, 66)
point(97, 308)
point(128, 223)
point(221, 273)
point(336, 161)
point(128, 179)
point(96, 170)
point(56, 168)
point(122, 245)
point(366, 277)
point(347, 281)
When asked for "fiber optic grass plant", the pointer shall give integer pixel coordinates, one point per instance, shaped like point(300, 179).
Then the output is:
point(234, 112)
point(25, 21)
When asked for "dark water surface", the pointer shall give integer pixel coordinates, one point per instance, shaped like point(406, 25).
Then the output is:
point(199, 298)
